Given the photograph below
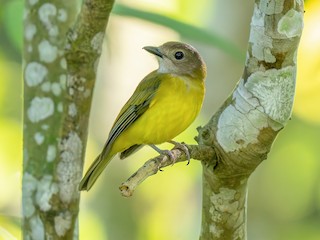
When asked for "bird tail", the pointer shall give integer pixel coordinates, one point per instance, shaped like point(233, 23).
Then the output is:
point(94, 171)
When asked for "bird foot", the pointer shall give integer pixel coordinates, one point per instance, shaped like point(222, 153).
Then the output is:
point(177, 145)
point(168, 153)
point(182, 147)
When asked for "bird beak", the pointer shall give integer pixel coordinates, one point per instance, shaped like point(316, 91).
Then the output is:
point(154, 50)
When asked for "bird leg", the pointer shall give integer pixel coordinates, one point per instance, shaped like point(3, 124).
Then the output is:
point(164, 152)
point(177, 145)
point(182, 147)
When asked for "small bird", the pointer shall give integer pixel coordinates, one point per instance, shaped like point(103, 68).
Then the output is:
point(163, 105)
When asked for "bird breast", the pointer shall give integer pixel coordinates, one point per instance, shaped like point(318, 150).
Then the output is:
point(174, 107)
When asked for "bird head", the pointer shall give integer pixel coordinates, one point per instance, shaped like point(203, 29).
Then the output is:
point(180, 59)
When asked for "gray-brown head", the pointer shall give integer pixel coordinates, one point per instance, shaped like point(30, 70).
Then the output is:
point(179, 58)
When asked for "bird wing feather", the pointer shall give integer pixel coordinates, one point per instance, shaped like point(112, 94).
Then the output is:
point(131, 111)
point(134, 108)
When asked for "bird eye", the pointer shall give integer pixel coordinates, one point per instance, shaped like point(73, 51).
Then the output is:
point(179, 55)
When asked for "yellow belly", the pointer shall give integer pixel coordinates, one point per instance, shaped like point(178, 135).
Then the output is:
point(173, 108)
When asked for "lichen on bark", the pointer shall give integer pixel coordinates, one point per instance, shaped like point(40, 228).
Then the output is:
point(61, 52)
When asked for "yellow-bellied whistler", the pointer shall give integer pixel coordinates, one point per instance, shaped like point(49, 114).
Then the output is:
point(163, 105)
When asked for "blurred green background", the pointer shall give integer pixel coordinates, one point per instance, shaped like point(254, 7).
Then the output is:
point(284, 192)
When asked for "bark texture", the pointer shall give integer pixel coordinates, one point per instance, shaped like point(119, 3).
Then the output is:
point(59, 75)
point(244, 128)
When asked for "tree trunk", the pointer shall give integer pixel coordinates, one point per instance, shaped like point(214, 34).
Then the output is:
point(59, 75)
point(244, 128)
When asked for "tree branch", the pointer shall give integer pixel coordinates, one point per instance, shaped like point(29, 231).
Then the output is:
point(152, 166)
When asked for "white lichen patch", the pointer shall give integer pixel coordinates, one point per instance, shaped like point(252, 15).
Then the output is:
point(266, 95)
point(68, 169)
point(60, 107)
point(56, 89)
point(47, 52)
point(44, 126)
point(268, 56)
point(53, 31)
point(32, 2)
point(72, 110)
point(39, 138)
point(225, 201)
point(80, 88)
point(261, 45)
point(257, 17)
point(215, 216)
point(29, 185)
point(29, 31)
point(63, 63)
point(62, 15)
point(275, 91)
point(45, 189)
point(46, 13)
point(63, 81)
point(233, 127)
point(96, 42)
point(74, 80)
point(71, 91)
point(76, 228)
point(35, 73)
point(271, 6)
point(75, 83)
point(240, 123)
point(46, 87)
point(26, 13)
point(73, 36)
point(216, 231)
point(37, 228)
point(51, 153)
point(62, 223)
point(291, 24)
point(40, 109)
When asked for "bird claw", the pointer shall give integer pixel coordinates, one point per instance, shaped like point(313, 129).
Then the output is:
point(183, 148)
point(168, 153)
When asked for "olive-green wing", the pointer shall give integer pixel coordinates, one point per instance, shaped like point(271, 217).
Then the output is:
point(131, 111)
point(134, 108)
point(126, 153)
